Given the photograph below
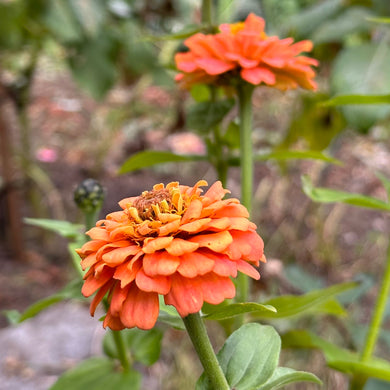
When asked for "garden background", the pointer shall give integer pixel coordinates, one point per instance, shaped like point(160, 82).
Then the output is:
point(86, 87)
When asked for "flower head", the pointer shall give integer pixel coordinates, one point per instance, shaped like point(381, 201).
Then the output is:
point(172, 241)
point(244, 50)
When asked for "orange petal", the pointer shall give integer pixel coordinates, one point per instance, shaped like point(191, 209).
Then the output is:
point(98, 233)
point(160, 263)
point(247, 269)
point(113, 322)
point(216, 242)
point(258, 75)
point(214, 193)
point(242, 224)
point(158, 284)
point(126, 202)
point(195, 226)
point(92, 283)
point(232, 210)
point(213, 66)
point(154, 244)
point(193, 211)
point(88, 261)
point(91, 246)
point(169, 228)
point(246, 245)
point(119, 255)
point(186, 295)
point(194, 264)
point(127, 272)
point(119, 295)
point(179, 247)
point(140, 309)
point(99, 296)
point(218, 224)
point(216, 289)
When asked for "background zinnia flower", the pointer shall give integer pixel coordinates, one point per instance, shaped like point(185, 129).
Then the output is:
point(171, 241)
point(244, 50)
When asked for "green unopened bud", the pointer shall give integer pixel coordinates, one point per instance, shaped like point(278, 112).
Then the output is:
point(89, 196)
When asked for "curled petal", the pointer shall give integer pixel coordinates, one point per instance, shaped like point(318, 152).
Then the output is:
point(140, 309)
point(247, 269)
point(195, 263)
point(179, 247)
point(94, 282)
point(155, 244)
point(216, 242)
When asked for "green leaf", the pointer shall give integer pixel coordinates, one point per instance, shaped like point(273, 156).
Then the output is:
point(325, 195)
point(149, 158)
point(283, 376)
point(234, 309)
point(169, 315)
point(232, 135)
point(338, 358)
point(362, 70)
point(379, 20)
point(291, 305)
point(200, 92)
point(248, 358)
point(98, 374)
point(71, 291)
point(144, 345)
point(63, 228)
point(357, 99)
point(13, 316)
point(186, 32)
point(204, 115)
point(296, 154)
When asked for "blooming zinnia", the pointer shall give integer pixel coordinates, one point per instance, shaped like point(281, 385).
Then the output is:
point(172, 241)
point(244, 50)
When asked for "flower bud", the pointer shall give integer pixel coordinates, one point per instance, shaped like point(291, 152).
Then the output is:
point(89, 195)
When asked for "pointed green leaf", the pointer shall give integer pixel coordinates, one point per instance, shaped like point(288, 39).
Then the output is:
point(63, 228)
point(357, 99)
point(297, 155)
point(283, 376)
point(234, 309)
point(13, 316)
point(149, 158)
point(338, 358)
point(98, 374)
point(71, 291)
point(325, 195)
point(290, 305)
point(248, 358)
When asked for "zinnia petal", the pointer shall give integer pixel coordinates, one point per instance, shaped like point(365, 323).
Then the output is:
point(160, 263)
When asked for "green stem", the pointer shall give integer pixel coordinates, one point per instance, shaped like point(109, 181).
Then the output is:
point(377, 317)
point(207, 12)
point(198, 334)
point(246, 156)
point(121, 349)
point(90, 219)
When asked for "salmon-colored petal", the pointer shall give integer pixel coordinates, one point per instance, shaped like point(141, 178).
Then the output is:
point(185, 294)
point(195, 263)
point(119, 255)
point(225, 267)
point(179, 247)
point(158, 284)
point(216, 289)
point(246, 245)
point(241, 224)
point(154, 244)
point(247, 269)
point(232, 210)
point(90, 247)
point(216, 242)
point(160, 263)
point(218, 224)
point(258, 75)
point(214, 66)
point(113, 322)
point(92, 283)
point(126, 202)
point(195, 226)
point(140, 309)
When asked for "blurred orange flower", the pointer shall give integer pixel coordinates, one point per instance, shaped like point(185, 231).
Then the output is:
point(244, 50)
point(171, 241)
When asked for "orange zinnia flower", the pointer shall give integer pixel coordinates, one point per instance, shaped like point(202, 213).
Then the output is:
point(244, 50)
point(171, 241)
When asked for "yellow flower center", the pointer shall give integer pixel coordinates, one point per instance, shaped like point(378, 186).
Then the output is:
point(144, 203)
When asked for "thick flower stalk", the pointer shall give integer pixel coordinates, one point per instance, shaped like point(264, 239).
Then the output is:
point(172, 241)
point(244, 51)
